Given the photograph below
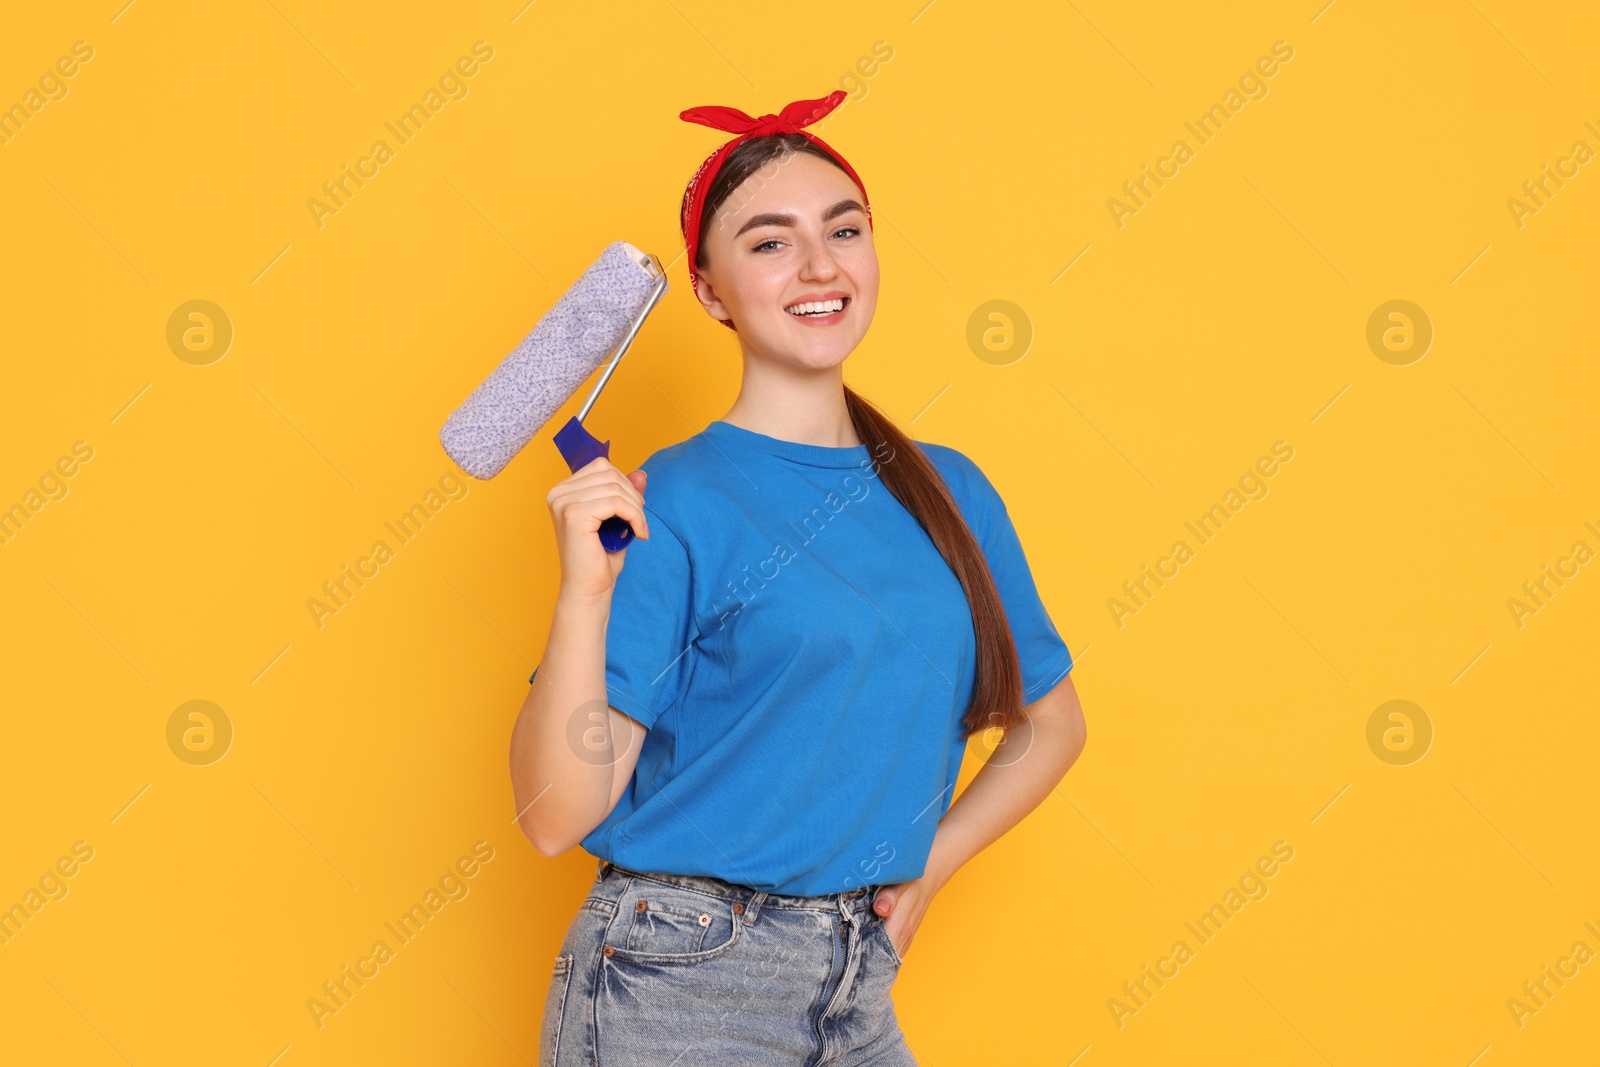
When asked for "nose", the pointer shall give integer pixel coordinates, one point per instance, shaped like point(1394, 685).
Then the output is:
point(819, 264)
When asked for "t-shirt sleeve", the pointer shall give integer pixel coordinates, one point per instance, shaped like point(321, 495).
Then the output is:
point(1041, 652)
point(651, 626)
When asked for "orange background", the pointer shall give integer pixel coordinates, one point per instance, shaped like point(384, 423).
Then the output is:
point(367, 756)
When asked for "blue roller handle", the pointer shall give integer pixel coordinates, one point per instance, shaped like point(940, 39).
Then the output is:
point(579, 448)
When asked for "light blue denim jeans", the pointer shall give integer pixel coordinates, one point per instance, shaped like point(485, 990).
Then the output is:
point(668, 970)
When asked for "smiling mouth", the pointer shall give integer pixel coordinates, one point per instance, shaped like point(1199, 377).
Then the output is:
point(818, 309)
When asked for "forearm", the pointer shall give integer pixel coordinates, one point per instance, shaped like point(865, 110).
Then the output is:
point(1008, 787)
point(560, 795)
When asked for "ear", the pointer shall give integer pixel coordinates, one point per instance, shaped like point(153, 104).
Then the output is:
point(707, 294)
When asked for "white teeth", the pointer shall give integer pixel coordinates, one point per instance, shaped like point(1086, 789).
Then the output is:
point(816, 307)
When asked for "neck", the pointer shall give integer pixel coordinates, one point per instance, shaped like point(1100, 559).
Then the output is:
point(794, 404)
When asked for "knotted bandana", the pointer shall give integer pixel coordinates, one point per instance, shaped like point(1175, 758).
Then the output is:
point(790, 120)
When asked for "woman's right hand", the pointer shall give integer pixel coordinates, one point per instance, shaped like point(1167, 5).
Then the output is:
point(579, 503)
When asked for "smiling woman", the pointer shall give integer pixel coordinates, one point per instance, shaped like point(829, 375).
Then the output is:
point(793, 797)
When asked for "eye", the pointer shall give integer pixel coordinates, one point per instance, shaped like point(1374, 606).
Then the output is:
point(852, 230)
point(764, 244)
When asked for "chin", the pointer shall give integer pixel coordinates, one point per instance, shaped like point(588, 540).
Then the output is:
point(822, 360)
point(818, 351)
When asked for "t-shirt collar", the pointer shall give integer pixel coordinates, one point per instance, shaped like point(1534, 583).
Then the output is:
point(727, 433)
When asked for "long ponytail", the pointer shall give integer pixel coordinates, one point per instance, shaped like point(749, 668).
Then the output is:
point(908, 474)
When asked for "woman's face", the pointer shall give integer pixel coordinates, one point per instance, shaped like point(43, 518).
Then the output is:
point(793, 233)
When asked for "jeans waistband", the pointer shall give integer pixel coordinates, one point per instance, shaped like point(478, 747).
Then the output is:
point(751, 897)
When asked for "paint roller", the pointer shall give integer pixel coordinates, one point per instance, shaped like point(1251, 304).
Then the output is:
point(598, 316)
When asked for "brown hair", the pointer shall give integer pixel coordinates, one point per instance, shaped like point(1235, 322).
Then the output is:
point(914, 481)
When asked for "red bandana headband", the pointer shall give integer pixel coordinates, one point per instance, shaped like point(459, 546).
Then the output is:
point(732, 120)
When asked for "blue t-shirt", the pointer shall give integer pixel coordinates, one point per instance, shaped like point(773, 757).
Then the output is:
point(801, 656)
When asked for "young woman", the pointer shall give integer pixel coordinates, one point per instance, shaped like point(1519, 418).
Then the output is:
point(755, 714)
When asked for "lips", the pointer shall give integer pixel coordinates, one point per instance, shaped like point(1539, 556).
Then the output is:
point(819, 309)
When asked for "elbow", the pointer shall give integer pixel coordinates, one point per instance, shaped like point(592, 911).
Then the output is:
point(1077, 734)
point(548, 850)
point(1071, 735)
point(545, 843)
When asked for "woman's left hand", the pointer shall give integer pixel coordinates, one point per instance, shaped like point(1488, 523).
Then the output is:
point(903, 904)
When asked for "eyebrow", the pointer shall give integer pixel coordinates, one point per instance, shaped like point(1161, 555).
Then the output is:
point(770, 219)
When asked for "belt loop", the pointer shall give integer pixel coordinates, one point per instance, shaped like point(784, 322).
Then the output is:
point(753, 906)
point(600, 871)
